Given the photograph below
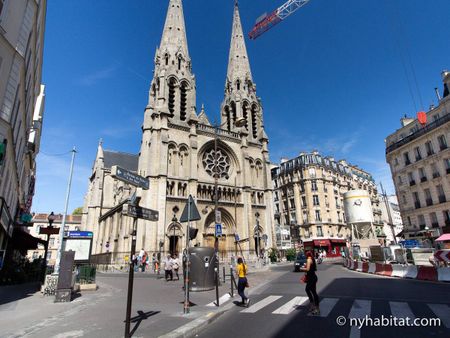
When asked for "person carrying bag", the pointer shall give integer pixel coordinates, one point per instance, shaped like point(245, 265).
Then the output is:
point(310, 278)
point(241, 272)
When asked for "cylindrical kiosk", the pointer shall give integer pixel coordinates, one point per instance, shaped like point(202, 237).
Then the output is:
point(201, 269)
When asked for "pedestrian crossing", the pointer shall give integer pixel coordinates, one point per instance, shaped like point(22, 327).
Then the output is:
point(360, 308)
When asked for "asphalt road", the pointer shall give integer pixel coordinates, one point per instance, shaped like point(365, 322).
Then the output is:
point(279, 310)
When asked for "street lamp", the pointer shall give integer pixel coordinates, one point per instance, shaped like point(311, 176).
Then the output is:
point(49, 230)
point(257, 235)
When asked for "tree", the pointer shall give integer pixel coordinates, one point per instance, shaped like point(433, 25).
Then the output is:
point(78, 211)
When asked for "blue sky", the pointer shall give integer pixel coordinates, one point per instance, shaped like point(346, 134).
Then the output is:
point(330, 76)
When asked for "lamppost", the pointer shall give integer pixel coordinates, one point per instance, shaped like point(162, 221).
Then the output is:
point(258, 244)
point(175, 210)
point(49, 230)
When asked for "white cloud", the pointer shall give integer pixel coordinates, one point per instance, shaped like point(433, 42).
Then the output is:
point(96, 76)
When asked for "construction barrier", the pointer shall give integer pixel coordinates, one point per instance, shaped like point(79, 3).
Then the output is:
point(444, 274)
point(411, 271)
point(398, 271)
point(371, 268)
point(427, 273)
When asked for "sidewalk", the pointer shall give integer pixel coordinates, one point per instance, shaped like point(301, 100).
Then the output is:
point(157, 308)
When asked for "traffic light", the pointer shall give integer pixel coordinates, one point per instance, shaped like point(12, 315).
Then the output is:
point(3, 151)
point(192, 233)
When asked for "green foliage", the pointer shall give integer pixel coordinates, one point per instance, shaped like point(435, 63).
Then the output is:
point(78, 211)
point(291, 254)
point(273, 254)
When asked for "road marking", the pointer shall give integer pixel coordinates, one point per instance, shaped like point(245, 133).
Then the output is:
point(263, 303)
point(401, 310)
point(290, 306)
point(222, 300)
point(443, 312)
point(360, 309)
point(326, 305)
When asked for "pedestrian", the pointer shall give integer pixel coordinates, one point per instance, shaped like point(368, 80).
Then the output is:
point(241, 272)
point(176, 265)
point(154, 264)
point(168, 268)
point(144, 261)
point(311, 283)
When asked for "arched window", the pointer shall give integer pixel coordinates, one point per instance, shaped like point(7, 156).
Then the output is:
point(233, 112)
point(254, 122)
point(179, 62)
point(172, 96)
point(166, 58)
point(227, 116)
point(238, 85)
point(183, 101)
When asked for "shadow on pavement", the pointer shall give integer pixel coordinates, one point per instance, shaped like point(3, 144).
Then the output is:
point(139, 318)
point(12, 293)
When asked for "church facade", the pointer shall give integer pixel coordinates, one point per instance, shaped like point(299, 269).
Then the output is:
point(183, 154)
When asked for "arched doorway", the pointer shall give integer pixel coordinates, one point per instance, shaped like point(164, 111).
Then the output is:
point(226, 241)
point(175, 234)
point(258, 236)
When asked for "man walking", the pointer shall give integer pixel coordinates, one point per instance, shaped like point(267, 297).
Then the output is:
point(168, 268)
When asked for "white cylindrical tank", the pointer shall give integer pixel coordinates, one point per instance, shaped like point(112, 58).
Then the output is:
point(358, 207)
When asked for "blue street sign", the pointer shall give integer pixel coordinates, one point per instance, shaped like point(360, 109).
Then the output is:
point(80, 234)
point(236, 238)
point(218, 230)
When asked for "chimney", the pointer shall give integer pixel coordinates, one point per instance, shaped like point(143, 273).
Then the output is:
point(446, 80)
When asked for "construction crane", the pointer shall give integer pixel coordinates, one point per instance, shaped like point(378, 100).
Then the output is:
point(266, 22)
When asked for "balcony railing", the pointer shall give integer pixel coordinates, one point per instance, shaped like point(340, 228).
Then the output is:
point(407, 162)
point(442, 199)
point(417, 205)
point(430, 152)
point(418, 158)
point(423, 179)
point(436, 175)
point(418, 133)
point(442, 146)
point(429, 201)
point(412, 182)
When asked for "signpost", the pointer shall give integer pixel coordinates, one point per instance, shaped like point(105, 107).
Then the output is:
point(190, 213)
point(218, 230)
point(140, 212)
point(129, 177)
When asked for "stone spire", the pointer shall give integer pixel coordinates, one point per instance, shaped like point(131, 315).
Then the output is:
point(238, 64)
point(174, 34)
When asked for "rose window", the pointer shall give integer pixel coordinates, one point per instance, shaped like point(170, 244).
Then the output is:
point(223, 163)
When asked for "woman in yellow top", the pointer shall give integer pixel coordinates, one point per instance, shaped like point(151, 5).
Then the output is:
point(241, 272)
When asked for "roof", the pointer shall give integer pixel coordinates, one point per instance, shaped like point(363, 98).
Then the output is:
point(124, 160)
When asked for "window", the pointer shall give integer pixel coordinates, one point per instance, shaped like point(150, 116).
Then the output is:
point(400, 182)
point(440, 193)
point(411, 179)
point(49, 255)
point(434, 220)
point(304, 202)
point(396, 161)
point(442, 142)
point(51, 242)
point(2, 7)
point(314, 185)
point(409, 221)
point(312, 172)
point(446, 214)
point(316, 200)
point(319, 231)
point(406, 158)
point(422, 175)
point(417, 153)
point(421, 221)
point(318, 218)
point(404, 199)
point(428, 198)
point(429, 147)
point(416, 199)
point(435, 170)
point(305, 217)
point(292, 203)
point(293, 218)
point(447, 165)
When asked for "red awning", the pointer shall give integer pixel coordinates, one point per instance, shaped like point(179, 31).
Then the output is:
point(322, 242)
point(24, 241)
point(342, 241)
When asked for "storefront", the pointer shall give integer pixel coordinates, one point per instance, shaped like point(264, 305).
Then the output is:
point(332, 247)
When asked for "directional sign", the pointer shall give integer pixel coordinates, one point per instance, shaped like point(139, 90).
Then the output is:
point(48, 231)
point(144, 213)
point(190, 209)
point(243, 240)
point(129, 177)
point(218, 230)
point(443, 255)
point(236, 237)
point(218, 217)
point(80, 234)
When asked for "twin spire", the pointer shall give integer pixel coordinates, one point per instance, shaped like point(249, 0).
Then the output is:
point(174, 35)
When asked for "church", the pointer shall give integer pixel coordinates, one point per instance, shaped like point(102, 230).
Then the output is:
point(183, 154)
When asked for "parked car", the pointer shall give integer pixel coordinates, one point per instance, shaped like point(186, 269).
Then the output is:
point(299, 261)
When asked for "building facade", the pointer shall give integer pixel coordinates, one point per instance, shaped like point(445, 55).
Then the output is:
point(308, 198)
point(73, 223)
point(419, 160)
point(22, 25)
point(182, 153)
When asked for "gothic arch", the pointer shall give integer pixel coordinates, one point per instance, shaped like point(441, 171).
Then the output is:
point(228, 223)
point(172, 84)
point(245, 112)
point(254, 117)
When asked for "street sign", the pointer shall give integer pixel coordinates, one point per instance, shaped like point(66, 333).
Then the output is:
point(144, 213)
point(236, 237)
point(80, 234)
point(243, 240)
point(129, 177)
point(190, 208)
point(218, 217)
point(48, 231)
point(218, 229)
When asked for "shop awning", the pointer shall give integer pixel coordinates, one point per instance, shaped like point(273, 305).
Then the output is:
point(341, 241)
point(24, 241)
point(322, 242)
point(444, 237)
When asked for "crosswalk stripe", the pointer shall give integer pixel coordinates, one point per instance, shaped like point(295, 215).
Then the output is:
point(263, 303)
point(290, 306)
point(360, 309)
point(222, 300)
point(443, 312)
point(401, 310)
point(326, 305)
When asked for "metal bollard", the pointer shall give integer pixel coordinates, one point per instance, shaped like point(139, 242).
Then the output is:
point(232, 279)
point(224, 276)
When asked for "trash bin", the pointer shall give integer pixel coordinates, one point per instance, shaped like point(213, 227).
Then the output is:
point(201, 272)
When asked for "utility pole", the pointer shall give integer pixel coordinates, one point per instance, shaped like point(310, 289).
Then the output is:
point(63, 223)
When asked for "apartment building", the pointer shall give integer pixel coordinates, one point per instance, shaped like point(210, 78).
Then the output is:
point(419, 160)
point(308, 199)
point(22, 25)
